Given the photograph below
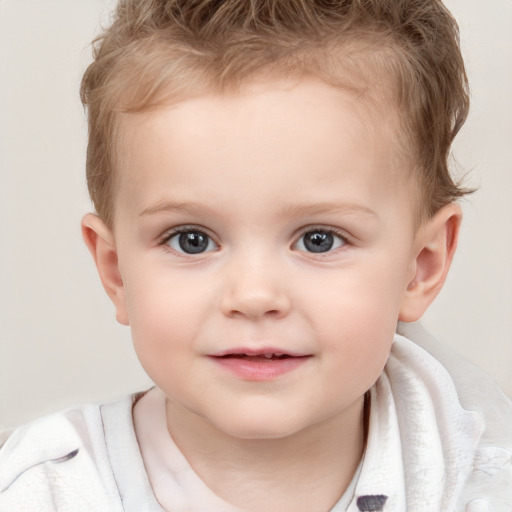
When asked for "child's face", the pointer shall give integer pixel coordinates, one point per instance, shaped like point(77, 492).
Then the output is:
point(277, 220)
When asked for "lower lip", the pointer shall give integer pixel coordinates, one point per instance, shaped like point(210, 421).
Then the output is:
point(260, 370)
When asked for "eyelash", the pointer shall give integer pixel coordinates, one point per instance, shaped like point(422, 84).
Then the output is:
point(164, 240)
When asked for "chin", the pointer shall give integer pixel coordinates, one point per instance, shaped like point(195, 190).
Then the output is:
point(260, 428)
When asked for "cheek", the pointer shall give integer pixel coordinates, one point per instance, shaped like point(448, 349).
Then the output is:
point(359, 337)
point(364, 295)
point(356, 320)
point(164, 312)
point(164, 328)
point(357, 349)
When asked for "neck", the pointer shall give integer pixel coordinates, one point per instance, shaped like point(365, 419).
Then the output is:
point(308, 470)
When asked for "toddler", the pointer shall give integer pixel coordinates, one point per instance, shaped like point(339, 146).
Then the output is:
point(273, 212)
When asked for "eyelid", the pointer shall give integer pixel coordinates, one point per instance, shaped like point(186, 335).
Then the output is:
point(328, 229)
point(184, 228)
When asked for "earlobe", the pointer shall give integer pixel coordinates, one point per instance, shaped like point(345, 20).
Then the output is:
point(100, 241)
point(436, 245)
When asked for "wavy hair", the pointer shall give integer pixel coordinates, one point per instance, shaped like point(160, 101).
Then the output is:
point(158, 51)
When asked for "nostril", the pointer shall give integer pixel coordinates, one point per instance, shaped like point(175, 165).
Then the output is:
point(251, 313)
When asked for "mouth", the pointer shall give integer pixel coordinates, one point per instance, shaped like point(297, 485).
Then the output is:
point(264, 358)
point(260, 353)
point(259, 365)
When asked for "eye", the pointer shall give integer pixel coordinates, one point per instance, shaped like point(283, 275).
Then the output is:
point(319, 241)
point(191, 241)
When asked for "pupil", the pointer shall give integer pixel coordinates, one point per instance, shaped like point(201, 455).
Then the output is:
point(319, 241)
point(193, 242)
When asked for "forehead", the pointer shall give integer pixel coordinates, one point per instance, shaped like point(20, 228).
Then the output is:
point(307, 132)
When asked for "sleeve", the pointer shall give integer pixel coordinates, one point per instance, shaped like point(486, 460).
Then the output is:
point(50, 465)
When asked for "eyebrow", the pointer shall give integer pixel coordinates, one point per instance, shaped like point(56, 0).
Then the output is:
point(171, 206)
point(299, 209)
point(294, 210)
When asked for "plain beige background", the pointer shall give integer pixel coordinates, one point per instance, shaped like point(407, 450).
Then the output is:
point(59, 343)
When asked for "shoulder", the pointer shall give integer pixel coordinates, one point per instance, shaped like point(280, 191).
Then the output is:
point(475, 389)
point(59, 462)
point(455, 384)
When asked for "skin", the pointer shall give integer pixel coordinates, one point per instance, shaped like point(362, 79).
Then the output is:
point(255, 171)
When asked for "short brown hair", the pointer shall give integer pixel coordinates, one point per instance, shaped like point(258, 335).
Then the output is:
point(163, 50)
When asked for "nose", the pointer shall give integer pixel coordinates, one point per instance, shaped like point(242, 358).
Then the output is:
point(255, 289)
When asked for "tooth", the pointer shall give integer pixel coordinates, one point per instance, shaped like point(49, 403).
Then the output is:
point(268, 356)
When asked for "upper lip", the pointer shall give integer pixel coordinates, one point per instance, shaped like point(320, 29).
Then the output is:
point(260, 351)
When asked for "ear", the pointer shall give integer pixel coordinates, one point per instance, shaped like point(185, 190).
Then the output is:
point(100, 241)
point(435, 248)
